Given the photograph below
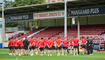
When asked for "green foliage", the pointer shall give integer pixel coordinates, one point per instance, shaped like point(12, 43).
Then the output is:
point(17, 3)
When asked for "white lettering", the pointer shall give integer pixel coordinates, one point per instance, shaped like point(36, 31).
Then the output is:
point(85, 11)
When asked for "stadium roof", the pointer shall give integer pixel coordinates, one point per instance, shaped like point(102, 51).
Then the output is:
point(53, 6)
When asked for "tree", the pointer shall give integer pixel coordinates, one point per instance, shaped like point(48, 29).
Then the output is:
point(7, 3)
point(17, 3)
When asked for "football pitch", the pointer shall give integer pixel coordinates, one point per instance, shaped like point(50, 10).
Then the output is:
point(96, 56)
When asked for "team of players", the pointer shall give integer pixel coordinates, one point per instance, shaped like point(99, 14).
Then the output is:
point(46, 47)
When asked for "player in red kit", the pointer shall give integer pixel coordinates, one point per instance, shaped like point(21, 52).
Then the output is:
point(45, 45)
point(36, 47)
point(49, 44)
point(32, 46)
point(71, 45)
point(75, 41)
point(11, 47)
point(41, 45)
point(20, 43)
point(16, 45)
point(65, 46)
point(59, 46)
point(83, 40)
point(53, 46)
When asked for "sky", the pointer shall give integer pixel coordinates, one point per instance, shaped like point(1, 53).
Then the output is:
point(0, 1)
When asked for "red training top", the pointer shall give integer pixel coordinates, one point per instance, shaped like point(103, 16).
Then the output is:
point(16, 43)
point(65, 43)
point(45, 42)
point(75, 42)
point(83, 41)
point(41, 43)
point(20, 42)
point(32, 42)
point(59, 43)
point(53, 42)
point(71, 42)
point(36, 43)
point(49, 43)
point(11, 43)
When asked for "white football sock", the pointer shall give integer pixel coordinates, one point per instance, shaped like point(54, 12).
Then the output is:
point(14, 54)
point(36, 53)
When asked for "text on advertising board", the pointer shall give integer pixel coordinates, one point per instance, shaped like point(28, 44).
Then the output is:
point(19, 17)
point(49, 15)
point(86, 11)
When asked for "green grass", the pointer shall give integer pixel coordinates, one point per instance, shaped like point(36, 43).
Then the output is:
point(96, 56)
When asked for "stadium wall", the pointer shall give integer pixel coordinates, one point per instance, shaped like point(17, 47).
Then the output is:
point(52, 23)
point(92, 20)
point(96, 20)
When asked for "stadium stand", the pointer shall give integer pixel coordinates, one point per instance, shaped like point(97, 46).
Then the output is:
point(96, 31)
point(16, 35)
point(20, 35)
point(88, 30)
point(48, 33)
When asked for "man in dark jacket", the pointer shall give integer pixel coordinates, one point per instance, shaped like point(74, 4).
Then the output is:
point(26, 44)
point(89, 45)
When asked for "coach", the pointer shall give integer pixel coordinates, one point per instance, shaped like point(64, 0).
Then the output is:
point(26, 44)
point(89, 45)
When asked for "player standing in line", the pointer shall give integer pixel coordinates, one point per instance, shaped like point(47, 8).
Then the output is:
point(75, 41)
point(83, 40)
point(36, 47)
point(26, 44)
point(59, 46)
point(11, 47)
point(71, 46)
point(41, 46)
point(53, 46)
point(62, 48)
point(65, 46)
point(49, 44)
point(20, 46)
point(16, 46)
point(32, 46)
point(46, 47)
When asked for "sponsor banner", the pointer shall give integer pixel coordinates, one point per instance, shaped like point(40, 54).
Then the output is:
point(47, 15)
point(19, 17)
point(86, 11)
